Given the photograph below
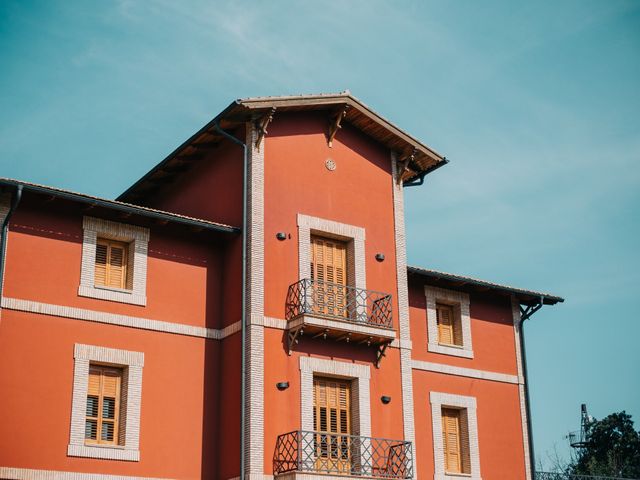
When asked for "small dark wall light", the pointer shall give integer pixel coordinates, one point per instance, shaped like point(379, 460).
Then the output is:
point(385, 399)
point(281, 236)
point(380, 257)
point(282, 385)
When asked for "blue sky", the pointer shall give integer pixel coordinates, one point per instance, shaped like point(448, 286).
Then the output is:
point(535, 103)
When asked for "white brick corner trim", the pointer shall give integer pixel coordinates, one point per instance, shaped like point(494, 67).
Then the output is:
point(439, 400)
point(138, 240)
point(131, 392)
point(517, 325)
point(461, 307)
point(10, 473)
point(254, 398)
point(350, 233)
point(465, 372)
point(361, 401)
point(406, 372)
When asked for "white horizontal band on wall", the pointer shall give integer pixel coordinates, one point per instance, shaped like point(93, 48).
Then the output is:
point(466, 372)
point(10, 473)
point(117, 319)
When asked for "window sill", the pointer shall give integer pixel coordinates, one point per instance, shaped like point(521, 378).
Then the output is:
point(457, 476)
point(453, 350)
point(112, 294)
point(106, 452)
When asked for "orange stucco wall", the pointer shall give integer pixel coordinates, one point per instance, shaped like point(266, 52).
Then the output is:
point(186, 276)
point(358, 192)
point(499, 423)
point(36, 375)
point(191, 386)
point(492, 332)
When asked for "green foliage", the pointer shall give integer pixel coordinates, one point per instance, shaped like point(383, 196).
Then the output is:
point(613, 448)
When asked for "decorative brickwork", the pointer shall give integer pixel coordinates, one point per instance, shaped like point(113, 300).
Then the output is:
point(254, 425)
point(460, 302)
point(406, 372)
point(132, 363)
point(517, 325)
point(465, 372)
point(10, 473)
point(439, 400)
point(138, 240)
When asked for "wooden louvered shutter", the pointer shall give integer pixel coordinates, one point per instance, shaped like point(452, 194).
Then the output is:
point(444, 314)
point(111, 264)
point(329, 260)
point(451, 440)
point(465, 456)
point(329, 272)
point(103, 405)
point(332, 416)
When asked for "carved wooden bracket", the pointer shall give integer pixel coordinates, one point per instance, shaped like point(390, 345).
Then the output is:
point(336, 125)
point(404, 162)
point(262, 124)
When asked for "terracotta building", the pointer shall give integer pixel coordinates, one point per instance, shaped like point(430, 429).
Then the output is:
point(246, 308)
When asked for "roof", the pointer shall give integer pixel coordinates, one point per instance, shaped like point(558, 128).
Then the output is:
point(120, 206)
point(460, 281)
point(418, 157)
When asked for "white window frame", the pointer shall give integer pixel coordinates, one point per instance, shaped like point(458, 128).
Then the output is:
point(131, 397)
point(138, 239)
point(438, 401)
point(360, 376)
point(461, 307)
point(355, 236)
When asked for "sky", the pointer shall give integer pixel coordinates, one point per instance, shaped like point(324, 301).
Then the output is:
point(536, 105)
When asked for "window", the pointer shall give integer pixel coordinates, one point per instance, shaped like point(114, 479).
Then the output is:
point(103, 405)
point(114, 261)
point(332, 417)
point(329, 275)
point(449, 325)
point(455, 436)
point(105, 410)
point(112, 264)
point(448, 322)
point(455, 439)
point(347, 239)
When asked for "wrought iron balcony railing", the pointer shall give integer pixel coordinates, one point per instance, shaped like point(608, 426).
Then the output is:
point(339, 302)
point(342, 455)
point(569, 476)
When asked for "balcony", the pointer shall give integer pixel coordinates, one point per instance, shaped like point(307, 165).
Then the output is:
point(332, 310)
point(305, 452)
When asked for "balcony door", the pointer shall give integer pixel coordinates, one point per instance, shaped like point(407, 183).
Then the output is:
point(329, 275)
point(332, 421)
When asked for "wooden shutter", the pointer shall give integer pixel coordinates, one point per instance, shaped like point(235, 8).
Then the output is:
point(329, 270)
point(444, 314)
point(451, 440)
point(331, 400)
point(112, 259)
point(103, 405)
point(455, 436)
point(329, 260)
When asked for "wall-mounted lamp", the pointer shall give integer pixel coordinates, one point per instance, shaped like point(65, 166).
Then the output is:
point(282, 385)
point(281, 236)
point(385, 399)
point(380, 257)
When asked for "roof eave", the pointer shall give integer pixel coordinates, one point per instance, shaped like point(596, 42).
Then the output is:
point(528, 297)
point(120, 206)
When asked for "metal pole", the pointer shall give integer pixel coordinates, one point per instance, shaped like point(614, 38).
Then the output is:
point(526, 315)
point(243, 362)
point(5, 230)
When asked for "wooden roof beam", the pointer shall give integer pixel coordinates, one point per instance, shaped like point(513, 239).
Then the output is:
point(336, 124)
point(262, 124)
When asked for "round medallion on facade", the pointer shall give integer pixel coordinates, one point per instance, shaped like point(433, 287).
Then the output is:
point(330, 164)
